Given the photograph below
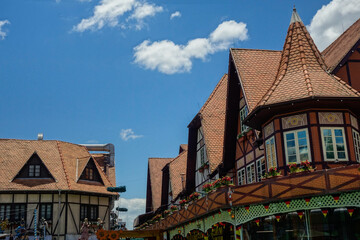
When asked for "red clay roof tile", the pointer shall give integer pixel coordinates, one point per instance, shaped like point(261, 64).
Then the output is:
point(59, 158)
point(212, 115)
point(336, 51)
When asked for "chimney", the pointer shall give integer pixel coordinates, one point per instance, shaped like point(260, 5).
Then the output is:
point(40, 136)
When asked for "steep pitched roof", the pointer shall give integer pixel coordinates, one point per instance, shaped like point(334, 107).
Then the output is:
point(212, 115)
point(256, 70)
point(302, 71)
point(155, 171)
point(177, 167)
point(337, 50)
point(58, 157)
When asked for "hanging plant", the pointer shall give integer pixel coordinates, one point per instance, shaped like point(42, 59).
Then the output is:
point(201, 169)
point(182, 202)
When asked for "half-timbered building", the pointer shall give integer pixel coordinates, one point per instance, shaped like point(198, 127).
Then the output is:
point(53, 180)
point(287, 134)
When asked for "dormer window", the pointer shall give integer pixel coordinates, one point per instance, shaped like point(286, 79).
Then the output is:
point(90, 172)
point(34, 170)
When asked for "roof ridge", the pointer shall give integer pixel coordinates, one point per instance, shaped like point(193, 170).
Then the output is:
point(250, 49)
point(213, 92)
point(180, 154)
point(62, 161)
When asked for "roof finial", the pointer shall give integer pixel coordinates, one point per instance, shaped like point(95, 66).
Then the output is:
point(295, 16)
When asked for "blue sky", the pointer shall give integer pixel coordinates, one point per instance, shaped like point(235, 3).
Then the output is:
point(85, 71)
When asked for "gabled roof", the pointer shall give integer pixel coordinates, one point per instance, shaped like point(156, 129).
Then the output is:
point(155, 171)
point(177, 167)
point(302, 71)
point(212, 116)
point(59, 158)
point(336, 51)
point(256, 70)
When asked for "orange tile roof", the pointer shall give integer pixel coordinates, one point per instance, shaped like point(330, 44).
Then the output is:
point(256, 70)
point(336, 51)
point(155, 170)
point(59, 158)
point(212, 115)
point(177, 167)
point(302, 71)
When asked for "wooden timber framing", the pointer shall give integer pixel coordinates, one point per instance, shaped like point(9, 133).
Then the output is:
point(327, 181)
point(65, 219)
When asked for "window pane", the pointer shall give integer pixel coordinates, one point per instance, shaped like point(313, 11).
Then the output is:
point(290, 136)
point(292, 159)
point(329, 148)
point(338, 132)
point(341, 155)
point(304, 157)
point(301, 134)
point(339, 140)
point(330, 155)
point(303, 149)
point(290, 143)
point(327, 132)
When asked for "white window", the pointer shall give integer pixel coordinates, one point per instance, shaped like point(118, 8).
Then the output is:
point(243, 114)
point(356, 137)
point(271, 152)
point(201, 174)
point(241, 177)
point(334, 146)
point(250, 170)
point(297, 146)
point(260, 168)
point(170, 197)
point(34, 170)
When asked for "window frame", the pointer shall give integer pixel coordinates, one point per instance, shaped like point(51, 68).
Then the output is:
point(34, 171)
point(88, 212)
point(242, 115)
point(271, 154)
point(241, 172)
point(262, 167)
point(47, 207)
point(250, 173)
point(356, 140)
point(334, 144)
point(297, 148)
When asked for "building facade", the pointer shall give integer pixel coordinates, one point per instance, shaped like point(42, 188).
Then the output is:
point(53, 180)
point(287, 140)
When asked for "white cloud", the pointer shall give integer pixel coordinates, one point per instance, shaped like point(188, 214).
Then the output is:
point(127, 134)
point(175, 14)
point(143, 10)
point(332, 19)
point(135, 206)
point(168, 57)
point(3, 33)
point(108, 12)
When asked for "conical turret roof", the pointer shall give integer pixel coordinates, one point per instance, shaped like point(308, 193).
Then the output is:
point(302, 71)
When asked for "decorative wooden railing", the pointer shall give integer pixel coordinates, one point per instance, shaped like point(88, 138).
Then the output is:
point(329, 181)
